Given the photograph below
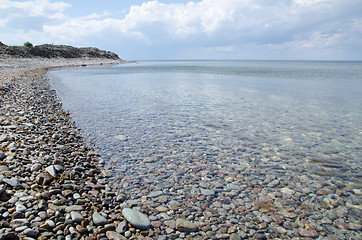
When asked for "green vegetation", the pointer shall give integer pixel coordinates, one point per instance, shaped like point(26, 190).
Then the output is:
point(28, 44)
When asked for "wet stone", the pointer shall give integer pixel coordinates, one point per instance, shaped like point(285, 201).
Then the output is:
point(114, 236)
point(287, 191)
point(136, 218)
point(162, 209)
point(235, 236)
point(207, 192)
point(121, 137)
point(277, 219)
point(121, 227)
point(183, 225)
point(156, 224)
point(308, 233)
point(155, 194)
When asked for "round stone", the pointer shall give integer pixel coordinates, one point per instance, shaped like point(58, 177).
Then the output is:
point(136, 218)
point(98, 219)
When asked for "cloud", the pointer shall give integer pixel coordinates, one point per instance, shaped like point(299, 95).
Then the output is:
point(28, 15)
point(255, 21)
point(11, 9)
point(234, 24)
point(231, 27)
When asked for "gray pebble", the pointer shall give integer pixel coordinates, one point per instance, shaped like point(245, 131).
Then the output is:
point(98, 219)
point(136, 218)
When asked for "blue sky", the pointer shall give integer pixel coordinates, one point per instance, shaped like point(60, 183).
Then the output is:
point(181, 29)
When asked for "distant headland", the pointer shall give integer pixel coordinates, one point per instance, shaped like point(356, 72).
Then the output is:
point(54, 51)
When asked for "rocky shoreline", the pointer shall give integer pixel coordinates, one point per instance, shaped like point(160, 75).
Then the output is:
point(52, 186)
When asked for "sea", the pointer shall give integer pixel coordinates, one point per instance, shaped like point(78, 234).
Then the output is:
point(295, 117)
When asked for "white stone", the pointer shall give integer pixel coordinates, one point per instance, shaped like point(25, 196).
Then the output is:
point(20, 207)
point(51, 170)
point(287, 191)
point(120, 137)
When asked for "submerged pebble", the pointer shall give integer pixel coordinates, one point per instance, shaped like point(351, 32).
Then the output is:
point(136, 218)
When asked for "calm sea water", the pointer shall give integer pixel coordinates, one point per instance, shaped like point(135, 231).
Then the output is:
point(298, 115)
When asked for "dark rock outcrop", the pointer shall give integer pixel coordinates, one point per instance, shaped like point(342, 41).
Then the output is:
point(54, 51)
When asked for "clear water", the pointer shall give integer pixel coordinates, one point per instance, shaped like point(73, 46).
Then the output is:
point(295, 115)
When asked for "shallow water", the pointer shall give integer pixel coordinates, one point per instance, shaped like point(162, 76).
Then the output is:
point(304, 116)
point(260, 149)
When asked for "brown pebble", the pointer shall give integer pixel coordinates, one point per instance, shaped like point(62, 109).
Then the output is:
point(99, 187)
point(81, 229)
point(113, 216)
point(308, 233)
point(339, 223)
point(231, 230)
point(276, 219)
point(17, 215)
point(161, 209)
point(156, 224)
point(322, 192)
point(11, 210)
point(234, 236)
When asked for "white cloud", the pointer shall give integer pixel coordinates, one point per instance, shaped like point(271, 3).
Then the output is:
point(227, 26)
point(33, 8)
point(25, 16)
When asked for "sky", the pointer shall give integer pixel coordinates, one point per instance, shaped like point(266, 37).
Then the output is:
point(182, 29)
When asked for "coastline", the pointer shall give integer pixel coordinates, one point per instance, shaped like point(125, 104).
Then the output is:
point(39, 139)
point(12, 66)
point(52, 186)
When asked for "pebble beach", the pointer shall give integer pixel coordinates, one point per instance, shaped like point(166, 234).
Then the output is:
point(54, 186)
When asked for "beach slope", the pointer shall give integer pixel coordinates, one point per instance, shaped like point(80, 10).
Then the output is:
point(51, 184)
